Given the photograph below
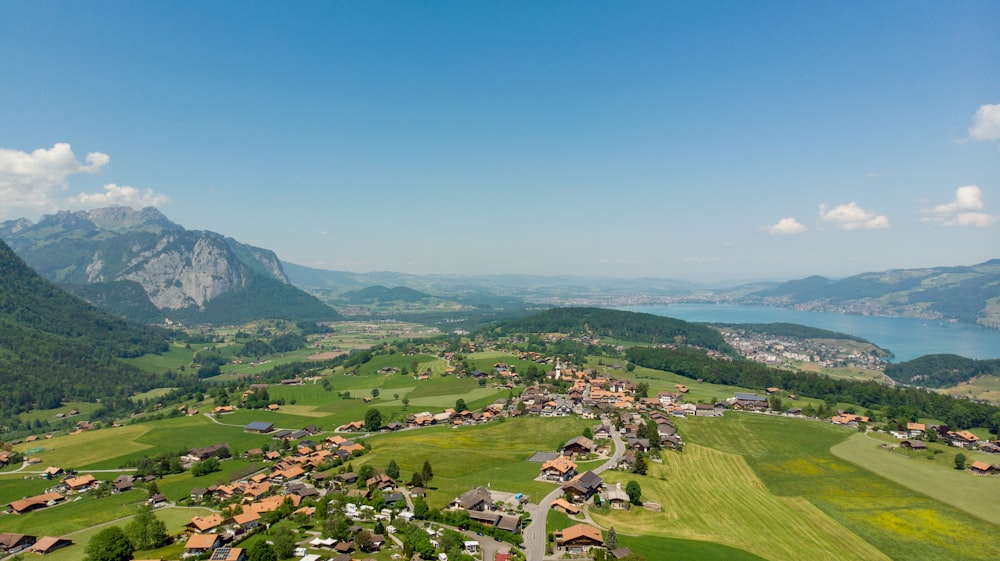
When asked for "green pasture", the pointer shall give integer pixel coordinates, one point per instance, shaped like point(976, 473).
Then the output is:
point(178, 486)
point(174, 518)
point(730, 505)
point(49, 415)
point(982, 387)
point(673, 549)
point(936, 478)
point(14, 486)
point(493, 454)
point(175, 357)
point(793, 459)
point(79, 511)
point(152, 394)
point(110, 448)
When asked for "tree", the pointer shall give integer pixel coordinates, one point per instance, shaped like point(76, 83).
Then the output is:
point(262, 551)
point(374, 393)
point(365, 473)
point(634, 492)
point(960, 461)
point(587, 433)
point(110, 544)
point(420, 507)
point(205, 467)
point(612, 541)
point(426, 473)
point(146, 531)
point(373, 419)
point(284, 542)
point(392, 470)
point(460, 405)
point(416, 480)
point(363, 540)
point(640, 467)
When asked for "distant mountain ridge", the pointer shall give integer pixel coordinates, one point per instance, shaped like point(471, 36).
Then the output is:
point(107, 255)
point(969, 294)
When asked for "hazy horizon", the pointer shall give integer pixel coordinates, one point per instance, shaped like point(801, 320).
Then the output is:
point(710, 142)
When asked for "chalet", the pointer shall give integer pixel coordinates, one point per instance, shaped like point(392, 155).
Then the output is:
point(579, 538)
point(48, 544)
point(641, 444)
point(246, 521)
point(381, 482)
point(578, 446)
point(477, 499)
point(353, 426)
point(205, 523)
point(583, 486)
point(963, 439)
point(12, 543)
point(198, 544)
point(749, 402)
point(81, 483)
point(202, 454)
point(981, 468)
point(628, 461)
point(348, 478)
point(602, 432)
point(563, 505)
point(706, 410)
point(915, 429)
point(617, 498)
point(496, 519)
point(223, 410)
point(559, 469)
point(915, 445)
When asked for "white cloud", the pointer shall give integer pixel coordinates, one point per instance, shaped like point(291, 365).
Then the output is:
point(986, 123)
point(964, 210)
point(852, 217)
point(29, 181)
point(784, 226)
point(119, 195)
point(33, 183)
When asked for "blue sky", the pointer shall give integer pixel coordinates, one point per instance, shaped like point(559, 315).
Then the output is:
point(698, 140)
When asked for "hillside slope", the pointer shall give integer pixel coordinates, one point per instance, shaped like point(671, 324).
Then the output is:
point(55, 346)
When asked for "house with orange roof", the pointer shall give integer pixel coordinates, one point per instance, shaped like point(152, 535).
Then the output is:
point(205, 523)
point(579, 538)
point(81, 483)
point(563, 505)
point(981, 468)
point(198, 544)
point(34, 503)
point(560, 468)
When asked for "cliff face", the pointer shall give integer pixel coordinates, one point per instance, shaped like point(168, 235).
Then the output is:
point(177, 269)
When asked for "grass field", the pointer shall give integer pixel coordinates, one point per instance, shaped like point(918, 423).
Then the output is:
point(982, 387)
point(730, 505)
point(50, 414)
point(174, 518)
point(793, 459)
point(152, 394)
point(494, 454)
point(938, 479)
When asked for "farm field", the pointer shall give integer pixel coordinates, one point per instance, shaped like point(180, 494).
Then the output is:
point(730, 505)
point(494, 454)
point(982, 387)
point(938, 479)
point(73, 514)
point(793, 459)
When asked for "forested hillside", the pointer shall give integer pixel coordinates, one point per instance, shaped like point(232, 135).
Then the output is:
point(941, 370)
point(796, 330)
point(897, 402)
point(627, 326)
point(54, 345)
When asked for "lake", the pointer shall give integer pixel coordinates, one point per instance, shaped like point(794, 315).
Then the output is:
point(907, 338)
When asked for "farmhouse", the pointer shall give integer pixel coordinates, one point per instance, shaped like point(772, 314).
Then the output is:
point(12, 543)
point(981, 468)
point(48, 544)
point(579, 538)
point(202, 543)
point(916, 445)
point(617, 498)
point(476, 499)
point(34, 503)
point(578, 446)
point(582, 487)
point(559, 469)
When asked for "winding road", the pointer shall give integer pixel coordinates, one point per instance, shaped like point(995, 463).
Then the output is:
point(534, 533)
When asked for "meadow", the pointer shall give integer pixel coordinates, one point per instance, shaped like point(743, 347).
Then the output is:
point(494, 455)
point(793, 459)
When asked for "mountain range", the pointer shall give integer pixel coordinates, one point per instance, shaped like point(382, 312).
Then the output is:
point(142, 266)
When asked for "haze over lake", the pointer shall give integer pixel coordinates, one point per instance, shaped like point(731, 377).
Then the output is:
point(907, 338)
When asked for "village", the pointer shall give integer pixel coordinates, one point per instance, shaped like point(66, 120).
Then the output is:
point(309, 468)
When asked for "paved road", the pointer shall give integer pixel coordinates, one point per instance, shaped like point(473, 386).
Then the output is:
point(534, 533)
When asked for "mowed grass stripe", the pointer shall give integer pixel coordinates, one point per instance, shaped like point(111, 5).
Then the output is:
point(708, 495)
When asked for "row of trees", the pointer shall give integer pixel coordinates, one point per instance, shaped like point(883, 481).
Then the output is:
point(746, 374)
